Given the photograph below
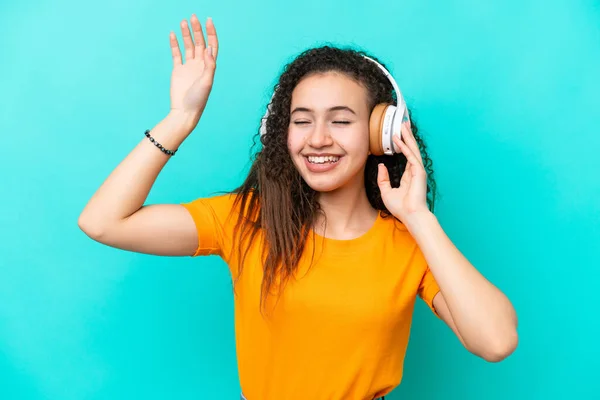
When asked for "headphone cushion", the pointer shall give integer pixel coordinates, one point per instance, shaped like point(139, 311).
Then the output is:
point(376, 127)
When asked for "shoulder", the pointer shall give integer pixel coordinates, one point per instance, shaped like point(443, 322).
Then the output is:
point(398, 239)
point(221, 205)
point(216, 218)
point(218, 201)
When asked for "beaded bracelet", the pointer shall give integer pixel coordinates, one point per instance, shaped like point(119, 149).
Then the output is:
point(160, 146)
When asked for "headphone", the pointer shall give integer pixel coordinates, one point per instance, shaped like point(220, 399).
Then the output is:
point(384, 122)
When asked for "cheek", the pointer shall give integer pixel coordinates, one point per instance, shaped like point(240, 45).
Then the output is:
point(295, 141)
point(355, 143)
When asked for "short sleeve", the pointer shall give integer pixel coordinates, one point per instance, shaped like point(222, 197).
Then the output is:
point(428, 288)
point(214, 224)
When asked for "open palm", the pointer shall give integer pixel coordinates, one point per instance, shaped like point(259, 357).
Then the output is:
point(191, 82)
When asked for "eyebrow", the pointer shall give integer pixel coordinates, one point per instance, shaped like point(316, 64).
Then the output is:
point(336, 108)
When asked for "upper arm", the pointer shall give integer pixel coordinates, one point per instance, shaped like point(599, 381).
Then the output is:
point(161, 229)
point(442, 310)
point(430, 292)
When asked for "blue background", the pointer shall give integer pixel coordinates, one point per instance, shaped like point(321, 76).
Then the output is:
point(505, 93)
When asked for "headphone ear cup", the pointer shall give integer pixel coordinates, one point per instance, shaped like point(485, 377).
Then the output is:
point(376, 129)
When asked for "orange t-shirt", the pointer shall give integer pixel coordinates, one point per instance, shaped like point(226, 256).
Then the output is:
point(340, 328)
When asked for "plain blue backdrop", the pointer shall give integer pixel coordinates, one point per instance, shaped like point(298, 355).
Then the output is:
point(505, 93)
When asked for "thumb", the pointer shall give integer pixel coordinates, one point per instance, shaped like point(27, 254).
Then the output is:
point(210, 63)
point(209, 57)
point(383, 179)
point(203, 84)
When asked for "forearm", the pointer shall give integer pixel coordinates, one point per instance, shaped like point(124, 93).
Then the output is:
point(127, 187)
point(483, 315)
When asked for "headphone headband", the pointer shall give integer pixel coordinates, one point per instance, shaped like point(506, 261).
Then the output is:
point(399, 98)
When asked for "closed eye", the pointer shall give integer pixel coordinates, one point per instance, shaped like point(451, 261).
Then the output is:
point(335, 122)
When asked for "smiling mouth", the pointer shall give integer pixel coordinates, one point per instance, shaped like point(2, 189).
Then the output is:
point(323, 159)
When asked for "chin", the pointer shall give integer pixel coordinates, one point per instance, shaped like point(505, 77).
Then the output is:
point(324, 182)
point(323, 187)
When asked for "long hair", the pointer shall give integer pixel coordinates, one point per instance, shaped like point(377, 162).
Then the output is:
point(275, 199)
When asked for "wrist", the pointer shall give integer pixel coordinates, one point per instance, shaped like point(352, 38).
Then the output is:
point(182, 122)
point(419, 220)
point(172, 130)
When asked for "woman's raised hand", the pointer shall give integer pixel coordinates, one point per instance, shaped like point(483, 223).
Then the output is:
point(192, 80)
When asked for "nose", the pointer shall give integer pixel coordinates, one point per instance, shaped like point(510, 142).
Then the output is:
point(319, 136)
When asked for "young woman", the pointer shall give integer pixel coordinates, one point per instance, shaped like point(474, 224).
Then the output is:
point(328, 243)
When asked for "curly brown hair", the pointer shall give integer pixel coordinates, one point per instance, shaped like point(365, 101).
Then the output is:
point(277, 201)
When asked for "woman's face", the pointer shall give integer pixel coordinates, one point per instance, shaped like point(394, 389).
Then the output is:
point(328, 136)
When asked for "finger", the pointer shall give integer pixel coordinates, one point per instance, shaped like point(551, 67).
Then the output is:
point(410, 140)
point(198, 35)
point(175, 51)
point(383, 179)
point(211, 34)
point(406, 176)
point(410, 156)
point(187, 40)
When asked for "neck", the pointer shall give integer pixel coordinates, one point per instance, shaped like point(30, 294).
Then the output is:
point(348, 213)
